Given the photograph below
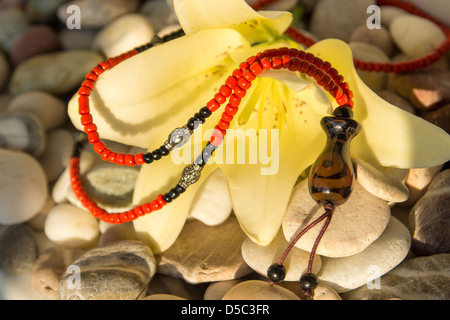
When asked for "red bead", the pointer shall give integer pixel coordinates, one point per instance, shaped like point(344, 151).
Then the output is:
point(256, 68)
point(129, 160)
point(93, 137)
point(88, 83)
point(319, 75)
point(160, 200)
point(304, 65)
point(98, 70)
point(120, 157)
point(225, 91)
point(83, 105)
point(295, 64)
point(318, 62)
point(138, 211)
point(213, 105)
point(248, 75)
point(105, 154)
point(244, 84)
point(283, 51)
point(266, 64)
point(104, 65)
point(226, 117)
point(293, 53)
point(99, 147)
point(146, 208)
point(86, 119)
point(270, 53)
point(84, 91)
point(139, 158)
point(220, 98)
point(312, 70)
point(238, 91)
point(333, 73)
point(310, 57)
point(90, 128)
point(302, 55)
point(231, 82)
point(234, 100)
point(124, 217)
point(223, 125)
point(342, 100)
point(237, 74)
point(326, 66)
point(243, 66)
point(154, 205)
point(91, 76)
point(251, 60)
point(286, 62)
point(112, 157)
point(230, 110)
point(277, 63)
point(216, 137)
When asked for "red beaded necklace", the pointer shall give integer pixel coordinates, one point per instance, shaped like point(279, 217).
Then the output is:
point(331, 176)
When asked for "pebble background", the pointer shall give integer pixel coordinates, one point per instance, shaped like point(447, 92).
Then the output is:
point(46, 238)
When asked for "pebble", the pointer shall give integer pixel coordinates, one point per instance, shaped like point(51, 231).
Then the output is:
point(338, 18)
point(396, 100)
point(429, 220)
point(37, 223)
point(162, 284)
point(162, 296)
point(216, 290)
point(110, 186)
point(57, 153)
point(440, 117)
point(37, 39)
point(259, 290)
point(49, 268)
point(22, 178)
point(70, 226)
point(22, 132)
point(380, 183)
point(12, 23)
point(4, 70)
point(324, 292)
point(421, 278)
point(128, 31)
point(119, 271)
point(204, 254)
point(96, 13)
point(347, 273)
point(212, 203)
point(75, 39)
point(5, 99)
point(355, 224)
point(418, 181)
point(259, 258)
point(51, 110)
point(42, 11)
point(389, 13)
point(63, 70)
point(425, 89)
point(368, 52)
point(415, 36)
point(380, 38)
point(18, 249)
point(119, 232)
point(159, 13)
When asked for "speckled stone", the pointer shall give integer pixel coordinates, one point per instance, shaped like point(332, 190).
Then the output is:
point(12, 23)
point(63, 70)
point(429, 220)
point(119, 271)
point(190, 256)
point(18, 249)
point(422, 278)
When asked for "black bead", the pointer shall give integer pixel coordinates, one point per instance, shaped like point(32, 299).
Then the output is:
point(308, 282)
point(343, 112)
point(191, 124)
point(167, 198)
point(207, 152)
point(164, 151)
point(156, 154)
point(276, 273)
point(148, 158)
point(173, 194)
point(198, 117)
point(179, 189)
point(205, 112)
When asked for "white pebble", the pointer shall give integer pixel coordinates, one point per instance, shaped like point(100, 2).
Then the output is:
point(23, 191)
point(70, 226)
point(56, 155)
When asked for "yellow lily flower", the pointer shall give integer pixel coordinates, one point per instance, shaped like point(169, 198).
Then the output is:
point(140, 102)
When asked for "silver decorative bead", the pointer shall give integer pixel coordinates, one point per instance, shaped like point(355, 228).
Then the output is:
point(179, 137)
point(190, 175)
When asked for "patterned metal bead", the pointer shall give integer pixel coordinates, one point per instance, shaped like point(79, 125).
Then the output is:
point(178, 137)
point(190, 175)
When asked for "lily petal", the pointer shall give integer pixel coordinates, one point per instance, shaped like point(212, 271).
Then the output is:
point(390, 137)
point(260, 191)
point(142, 99)
point(195, 15)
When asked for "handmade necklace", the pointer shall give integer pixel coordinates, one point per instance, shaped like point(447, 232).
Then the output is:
point(331, 176)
